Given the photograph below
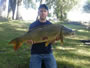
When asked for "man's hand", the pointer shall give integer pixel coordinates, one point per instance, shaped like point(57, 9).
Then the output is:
point(30, 42)
point(54, 41)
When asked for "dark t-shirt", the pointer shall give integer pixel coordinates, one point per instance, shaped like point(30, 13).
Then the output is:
point(40, 48)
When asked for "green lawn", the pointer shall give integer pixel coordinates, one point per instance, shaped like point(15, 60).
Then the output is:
point(73, 54)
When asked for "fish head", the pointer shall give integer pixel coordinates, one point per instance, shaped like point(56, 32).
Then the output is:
point(67, 31)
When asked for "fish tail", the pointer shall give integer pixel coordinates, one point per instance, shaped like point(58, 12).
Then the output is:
point(17, 43)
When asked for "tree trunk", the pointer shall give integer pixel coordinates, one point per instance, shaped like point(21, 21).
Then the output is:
point(3, 15)
point(61, 12)
point(11, 8)
point(2, 6)
point(18, 16)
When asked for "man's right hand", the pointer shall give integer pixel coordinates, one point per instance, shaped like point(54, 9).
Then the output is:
point(30, 42)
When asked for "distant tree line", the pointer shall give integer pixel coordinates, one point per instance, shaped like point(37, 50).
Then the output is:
point(61, 7)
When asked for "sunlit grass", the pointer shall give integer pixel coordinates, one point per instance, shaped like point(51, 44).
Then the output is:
point(83, 31)
point(20, 29)
point(73, 57)
point(73, 53)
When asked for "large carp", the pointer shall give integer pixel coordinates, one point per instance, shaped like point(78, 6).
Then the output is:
point(45, 33)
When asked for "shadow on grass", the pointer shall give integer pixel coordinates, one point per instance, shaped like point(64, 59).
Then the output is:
point(2, 19)
point(80, 59)
point(72, 54)
point(63, 64)
point(8, 31)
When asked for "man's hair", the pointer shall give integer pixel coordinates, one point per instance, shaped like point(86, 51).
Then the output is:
point(43, 6)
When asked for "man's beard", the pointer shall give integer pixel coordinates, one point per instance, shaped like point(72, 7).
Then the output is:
point(43, 18)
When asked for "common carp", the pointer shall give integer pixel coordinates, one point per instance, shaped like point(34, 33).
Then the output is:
point(45, 33)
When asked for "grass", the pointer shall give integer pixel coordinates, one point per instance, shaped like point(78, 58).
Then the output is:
point(73, 54)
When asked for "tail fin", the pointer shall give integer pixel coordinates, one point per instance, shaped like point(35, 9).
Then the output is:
point(16, 42)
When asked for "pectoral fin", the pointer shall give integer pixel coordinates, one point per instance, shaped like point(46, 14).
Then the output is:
point(17, 45)
point(46, 44)
point(61, 37)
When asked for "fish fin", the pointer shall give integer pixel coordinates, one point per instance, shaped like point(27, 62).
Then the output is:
point(29, 42)
point(61, 37)
point(17, 43)
point(46, 44)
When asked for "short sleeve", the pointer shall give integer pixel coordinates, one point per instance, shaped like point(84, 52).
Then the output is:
point(31, 26)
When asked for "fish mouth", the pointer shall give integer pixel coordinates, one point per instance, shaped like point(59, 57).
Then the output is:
point(73, 33)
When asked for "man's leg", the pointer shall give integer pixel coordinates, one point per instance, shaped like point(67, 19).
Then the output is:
point(35, 61)
point(50, 61)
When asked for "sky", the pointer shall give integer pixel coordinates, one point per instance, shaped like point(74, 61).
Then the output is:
point(77, 13)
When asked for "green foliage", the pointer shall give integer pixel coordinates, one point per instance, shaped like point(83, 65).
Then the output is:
point(61, 7)
point(87, 7)
point(29, 3)
point(89, 1)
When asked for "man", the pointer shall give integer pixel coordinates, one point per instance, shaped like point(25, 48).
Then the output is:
point(39, 51)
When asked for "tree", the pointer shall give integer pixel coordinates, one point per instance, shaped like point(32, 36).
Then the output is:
point(3, 10)
point(61, 7)
point(2, 6)
point(87, 7)
point(29, 4)
point(11, 8)
point(18, 17)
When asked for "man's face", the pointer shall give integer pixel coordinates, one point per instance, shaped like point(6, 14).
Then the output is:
point(43, 13)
